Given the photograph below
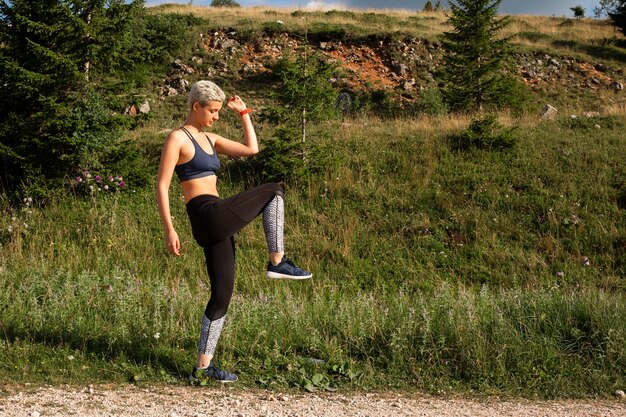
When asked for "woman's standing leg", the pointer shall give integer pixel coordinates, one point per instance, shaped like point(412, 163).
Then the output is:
point(220, 263)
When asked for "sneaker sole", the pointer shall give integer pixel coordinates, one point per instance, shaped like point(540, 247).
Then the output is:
point(276, 275)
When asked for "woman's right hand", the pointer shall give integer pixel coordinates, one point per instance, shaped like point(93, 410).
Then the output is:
point(172, 243)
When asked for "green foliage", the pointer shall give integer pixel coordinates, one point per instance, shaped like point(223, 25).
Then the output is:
point(66, 68)
point(273, 28)
point(486, 133)
point(429, 102)
point(428, 6)
point(438, 6)
point(469, 301)
point(381, 102)
point(224, 3)
point(579, 11)
point(304, 96)
point(283, 156)
point(286, 158)
point(592, 123)
point(474, 56)
point(509, 92)
point(605, 7)
point(618, 16)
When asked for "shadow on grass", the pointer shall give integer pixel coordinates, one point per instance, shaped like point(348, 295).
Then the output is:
point(137, 351)
point(611, 51)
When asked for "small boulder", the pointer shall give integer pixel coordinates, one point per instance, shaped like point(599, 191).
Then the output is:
point(548, 112)
point(144, 108)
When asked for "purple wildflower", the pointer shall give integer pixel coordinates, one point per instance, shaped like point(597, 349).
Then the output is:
point(98, 178)
point(122, 184)
point(111, 178)
point(79, 179)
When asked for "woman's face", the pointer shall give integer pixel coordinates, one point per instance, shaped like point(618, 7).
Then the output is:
point(208, 114)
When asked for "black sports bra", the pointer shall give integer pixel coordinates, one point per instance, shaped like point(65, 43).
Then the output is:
point(201, 165)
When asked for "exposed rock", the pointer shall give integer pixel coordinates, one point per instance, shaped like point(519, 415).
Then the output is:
point(144, 108)
point(131, 110)
point(617, 86)
point(548, 112)
point(409, 85)
point(170, 91)
point(228, 43)
point(180, 84)
point(555, 63)
point(183, 67)
point(401, 69)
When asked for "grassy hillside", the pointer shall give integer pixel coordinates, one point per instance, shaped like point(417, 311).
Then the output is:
point(434, 269)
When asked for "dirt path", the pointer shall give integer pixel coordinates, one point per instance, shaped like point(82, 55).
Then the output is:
point(174, 401)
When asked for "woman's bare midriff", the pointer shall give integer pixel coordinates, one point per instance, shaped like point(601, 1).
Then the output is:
point(199, 186)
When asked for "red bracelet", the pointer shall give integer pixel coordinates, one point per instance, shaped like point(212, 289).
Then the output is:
point(245, 111)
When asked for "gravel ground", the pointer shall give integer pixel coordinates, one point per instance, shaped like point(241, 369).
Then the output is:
point(175, 401)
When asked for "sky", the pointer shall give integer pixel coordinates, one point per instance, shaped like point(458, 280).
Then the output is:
point(536, 7)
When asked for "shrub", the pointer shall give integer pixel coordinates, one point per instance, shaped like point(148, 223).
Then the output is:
point(224, 3)
point(485, 133)
point(430, 102)
point(511, 93)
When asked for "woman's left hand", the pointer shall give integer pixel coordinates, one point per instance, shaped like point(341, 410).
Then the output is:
point(235, 103)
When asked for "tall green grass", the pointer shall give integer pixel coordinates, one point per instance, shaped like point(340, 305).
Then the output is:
point(433, 269)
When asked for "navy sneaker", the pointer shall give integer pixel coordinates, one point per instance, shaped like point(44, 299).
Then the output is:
point(286, 270)
point(200, 375)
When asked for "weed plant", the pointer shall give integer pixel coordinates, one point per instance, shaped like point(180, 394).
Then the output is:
point(436, 270)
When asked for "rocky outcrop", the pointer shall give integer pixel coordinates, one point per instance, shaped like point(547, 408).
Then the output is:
point(404, 66)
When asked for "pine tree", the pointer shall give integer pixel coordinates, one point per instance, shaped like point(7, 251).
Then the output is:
point(428, 7)
point(618, 16)
point(475, 55)
point(50, 122)
point(604, 8)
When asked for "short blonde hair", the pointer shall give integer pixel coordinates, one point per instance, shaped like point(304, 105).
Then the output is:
point(203, 92)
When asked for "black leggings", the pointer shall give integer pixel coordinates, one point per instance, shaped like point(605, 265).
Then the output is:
point(214, 222)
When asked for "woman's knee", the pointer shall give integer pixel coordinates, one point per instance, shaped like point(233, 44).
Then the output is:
point(217, 307)
point(275, 188)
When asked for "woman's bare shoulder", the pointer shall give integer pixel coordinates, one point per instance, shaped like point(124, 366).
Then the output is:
point(176, 137)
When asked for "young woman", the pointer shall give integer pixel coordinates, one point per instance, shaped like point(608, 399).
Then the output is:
point(192, 154)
